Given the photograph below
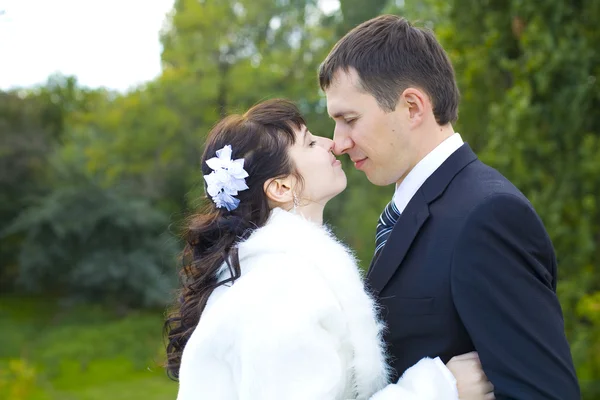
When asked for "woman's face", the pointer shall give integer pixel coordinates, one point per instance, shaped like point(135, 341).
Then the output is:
point(322, 173)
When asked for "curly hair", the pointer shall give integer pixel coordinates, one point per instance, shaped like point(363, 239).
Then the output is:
point(262, 136)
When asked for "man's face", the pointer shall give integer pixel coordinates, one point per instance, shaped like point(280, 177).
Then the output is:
point(378, 142)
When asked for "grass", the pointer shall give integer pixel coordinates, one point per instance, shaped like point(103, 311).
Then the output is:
point(49, 352)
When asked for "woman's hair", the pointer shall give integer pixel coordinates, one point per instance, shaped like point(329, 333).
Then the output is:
point(262, 137)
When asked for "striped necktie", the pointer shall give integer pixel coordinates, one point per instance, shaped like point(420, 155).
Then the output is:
point(388, 218)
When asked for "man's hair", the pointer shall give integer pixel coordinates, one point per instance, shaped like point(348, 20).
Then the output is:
point(390, 54)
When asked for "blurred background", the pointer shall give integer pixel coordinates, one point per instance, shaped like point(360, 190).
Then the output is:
point(104, 107)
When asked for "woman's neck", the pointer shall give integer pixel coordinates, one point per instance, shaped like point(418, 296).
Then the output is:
point(312, 212)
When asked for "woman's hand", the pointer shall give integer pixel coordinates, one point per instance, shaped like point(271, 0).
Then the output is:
point(471, 381)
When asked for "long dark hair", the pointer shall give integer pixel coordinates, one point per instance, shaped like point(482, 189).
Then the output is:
point(262, 136)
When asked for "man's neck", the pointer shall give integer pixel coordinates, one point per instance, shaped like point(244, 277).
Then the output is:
point(432, 139)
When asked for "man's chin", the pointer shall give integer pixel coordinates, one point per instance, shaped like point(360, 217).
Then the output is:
point(377, 180)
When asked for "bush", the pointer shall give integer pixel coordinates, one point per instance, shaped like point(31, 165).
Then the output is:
point(95, 244)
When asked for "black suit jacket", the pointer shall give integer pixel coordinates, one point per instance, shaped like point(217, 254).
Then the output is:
point(470, 266)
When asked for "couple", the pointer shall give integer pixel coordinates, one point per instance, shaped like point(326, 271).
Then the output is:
point(273, 306)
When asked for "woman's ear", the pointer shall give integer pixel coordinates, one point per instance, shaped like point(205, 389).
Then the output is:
point(279, 190)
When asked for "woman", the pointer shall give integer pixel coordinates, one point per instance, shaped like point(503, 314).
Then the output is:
point(272, 306)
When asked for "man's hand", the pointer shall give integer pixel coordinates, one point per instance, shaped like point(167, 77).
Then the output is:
point(471, 381)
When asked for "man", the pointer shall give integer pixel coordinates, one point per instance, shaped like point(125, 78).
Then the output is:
point(462, 261)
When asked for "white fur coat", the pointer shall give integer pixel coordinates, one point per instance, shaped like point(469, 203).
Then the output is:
point(297, 324)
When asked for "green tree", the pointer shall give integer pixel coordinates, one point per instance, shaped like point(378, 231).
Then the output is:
point(26, 137)
point(31, 125)
point(355, 12)
point(86, 242)
point(222, 57)
point(529, 77)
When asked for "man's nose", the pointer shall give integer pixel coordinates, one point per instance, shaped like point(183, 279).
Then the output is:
point(341, 141)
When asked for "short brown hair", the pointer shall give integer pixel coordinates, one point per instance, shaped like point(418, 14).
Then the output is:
point(389, 55)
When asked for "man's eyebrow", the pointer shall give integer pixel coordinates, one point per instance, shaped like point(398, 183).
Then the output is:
point(340, 114)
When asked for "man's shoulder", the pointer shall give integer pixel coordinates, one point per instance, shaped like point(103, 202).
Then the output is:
point(481, 191)
point(478, 187)
point(480, 181)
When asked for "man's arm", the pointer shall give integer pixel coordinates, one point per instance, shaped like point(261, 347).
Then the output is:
point(503, 287)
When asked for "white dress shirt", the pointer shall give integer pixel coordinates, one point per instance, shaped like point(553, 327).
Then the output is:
point(423, 170)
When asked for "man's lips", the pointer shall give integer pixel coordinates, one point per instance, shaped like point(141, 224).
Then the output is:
point(359, 162)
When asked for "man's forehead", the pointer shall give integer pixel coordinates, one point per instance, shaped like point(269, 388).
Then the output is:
point(339, 104)
point(337, 110)
point(343, 79)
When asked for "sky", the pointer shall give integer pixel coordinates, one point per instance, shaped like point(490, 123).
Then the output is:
point(111, 43)
point(104, 43)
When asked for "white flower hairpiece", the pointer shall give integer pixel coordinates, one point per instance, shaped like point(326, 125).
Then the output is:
point(226, 179)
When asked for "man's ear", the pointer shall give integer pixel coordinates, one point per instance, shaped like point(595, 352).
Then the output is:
point(279, 190)
point(416, 102)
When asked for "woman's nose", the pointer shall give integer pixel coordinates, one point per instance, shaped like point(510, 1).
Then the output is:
point(327, 144)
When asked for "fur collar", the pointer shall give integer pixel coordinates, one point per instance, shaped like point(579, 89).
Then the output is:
point(294, 236)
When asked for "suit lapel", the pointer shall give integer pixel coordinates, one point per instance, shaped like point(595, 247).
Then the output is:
point(414, 217)
point(400, 240)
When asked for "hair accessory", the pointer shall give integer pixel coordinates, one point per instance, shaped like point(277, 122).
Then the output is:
point(226, 179)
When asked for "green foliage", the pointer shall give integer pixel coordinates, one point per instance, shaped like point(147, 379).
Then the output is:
point(27, 135)
point(32, 125)
point(86, 242)
point(17, 380)
point(354, 12)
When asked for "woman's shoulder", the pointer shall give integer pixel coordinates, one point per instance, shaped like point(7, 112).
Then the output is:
point(285, 281)
point(275, 291)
